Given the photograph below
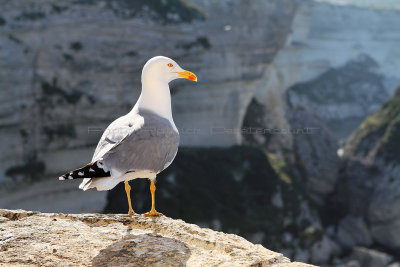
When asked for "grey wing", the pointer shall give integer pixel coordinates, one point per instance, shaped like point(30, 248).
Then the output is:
point(116, 132)
point(148, 148)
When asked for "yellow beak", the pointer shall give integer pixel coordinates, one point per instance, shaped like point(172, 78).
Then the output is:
point(188, 75)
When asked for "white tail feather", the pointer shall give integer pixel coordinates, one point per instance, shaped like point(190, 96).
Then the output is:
point(102, 184)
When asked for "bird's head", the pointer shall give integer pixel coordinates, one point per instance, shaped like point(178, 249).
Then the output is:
point(165, 69)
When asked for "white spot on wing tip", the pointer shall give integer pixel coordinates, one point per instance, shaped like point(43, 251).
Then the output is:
point(80, 173)
point(61, 178)
point(101, 165)
point(91, 170)
point(70, 177)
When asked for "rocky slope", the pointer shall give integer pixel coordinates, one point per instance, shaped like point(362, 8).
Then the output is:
point(53, 239)
point(315, 152)
point(376, 138)
point(374, 148)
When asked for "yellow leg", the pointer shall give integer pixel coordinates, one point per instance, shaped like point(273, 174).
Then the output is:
point(153, 212)
point(128, 194)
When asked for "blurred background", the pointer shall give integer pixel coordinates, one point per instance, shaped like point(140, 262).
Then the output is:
point(291, 137)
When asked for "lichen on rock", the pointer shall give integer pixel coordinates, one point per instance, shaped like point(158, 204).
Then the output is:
point(378, 134)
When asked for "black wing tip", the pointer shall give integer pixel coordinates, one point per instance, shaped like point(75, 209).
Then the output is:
point(91, 170)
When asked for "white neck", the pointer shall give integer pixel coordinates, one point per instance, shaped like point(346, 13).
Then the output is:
point(155, 97)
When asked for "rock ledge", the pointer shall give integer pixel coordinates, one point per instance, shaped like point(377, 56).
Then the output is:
point(48, 239)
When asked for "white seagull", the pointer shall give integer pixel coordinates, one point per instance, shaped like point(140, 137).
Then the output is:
point(142, 143)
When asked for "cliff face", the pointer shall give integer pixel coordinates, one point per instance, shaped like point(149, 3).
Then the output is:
point(32, 239)
point(376, 138)
point(337, 62)
point(69, 69)
point(374, 146)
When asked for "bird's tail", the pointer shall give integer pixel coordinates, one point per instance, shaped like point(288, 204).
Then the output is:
point(105, 183)
point(92, 170)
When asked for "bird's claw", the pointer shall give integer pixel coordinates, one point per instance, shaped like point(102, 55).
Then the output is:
point(153, 213)
point(131, 212)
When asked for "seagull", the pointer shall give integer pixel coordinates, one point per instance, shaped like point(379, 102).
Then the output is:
point(142, 143)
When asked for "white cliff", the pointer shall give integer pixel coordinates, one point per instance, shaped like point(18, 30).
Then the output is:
point(68, 69)
point(339, 50)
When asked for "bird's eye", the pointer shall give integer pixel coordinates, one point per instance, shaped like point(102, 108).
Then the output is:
point(170, 65)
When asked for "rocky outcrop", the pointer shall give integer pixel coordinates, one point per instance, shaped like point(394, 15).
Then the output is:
point(375, 141)
point(364, 257)
point(315, 151)
point(374, 148)
point(53, 239)
point(370, 258)
point(342, 96)
point(331, 57)
point(303, 144)
point(353, 231)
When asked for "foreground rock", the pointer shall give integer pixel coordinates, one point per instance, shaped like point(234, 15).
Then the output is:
point(48, 239)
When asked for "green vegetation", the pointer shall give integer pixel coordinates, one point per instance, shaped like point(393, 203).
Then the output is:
point(279, 166)
point(380, 132)
point(389, 145)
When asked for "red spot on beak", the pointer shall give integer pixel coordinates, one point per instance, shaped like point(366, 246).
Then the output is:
point(188, 75)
